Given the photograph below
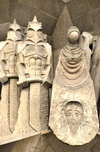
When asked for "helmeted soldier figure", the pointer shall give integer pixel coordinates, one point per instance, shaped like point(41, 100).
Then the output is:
point(8, 53)
point(34, 55)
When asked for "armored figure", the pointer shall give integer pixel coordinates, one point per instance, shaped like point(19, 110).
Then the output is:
point(8, 78)
point(8, 53)
point(34, 55)
point(34, 68)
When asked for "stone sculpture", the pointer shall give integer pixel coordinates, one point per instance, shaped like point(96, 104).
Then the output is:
point(34, 65)
point(8, 78)
point(95, 72)
point(73, 114)
point(25, 74)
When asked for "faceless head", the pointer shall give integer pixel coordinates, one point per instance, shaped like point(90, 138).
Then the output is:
point(73, 34)
point(74, 115)
point(14, 32)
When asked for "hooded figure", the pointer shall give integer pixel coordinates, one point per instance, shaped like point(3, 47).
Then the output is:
point(73, 84)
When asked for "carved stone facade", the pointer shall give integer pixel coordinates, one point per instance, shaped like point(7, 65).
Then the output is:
point(73, 116)
point(26, 75)
point(25, 64)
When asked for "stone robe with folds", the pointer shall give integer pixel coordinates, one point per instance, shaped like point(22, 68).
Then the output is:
point(72, 82)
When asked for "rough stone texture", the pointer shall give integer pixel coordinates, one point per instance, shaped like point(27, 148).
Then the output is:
point(94, 4)
point(66, 1)
point(3, 30)
point(77, 8)
point(79, 22)
point(48, 143)
point(69, 93)
point(59, 36)
point(24, 112)
point(95, 17)
point(27, 9)
point(83, 10)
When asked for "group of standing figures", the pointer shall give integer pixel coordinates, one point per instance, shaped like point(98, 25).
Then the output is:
point(25, 74)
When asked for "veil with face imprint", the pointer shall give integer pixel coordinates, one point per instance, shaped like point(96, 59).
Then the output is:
point(73, 89)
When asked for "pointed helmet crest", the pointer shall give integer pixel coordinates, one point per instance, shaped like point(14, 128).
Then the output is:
point(35, 25)
point(14, 26)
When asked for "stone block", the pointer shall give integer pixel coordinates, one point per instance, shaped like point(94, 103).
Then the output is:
point(49, 7)
point(94, 4)
point(3, 30)
point(59, 36)
point(55, 58)
point(4, 3)
point(77, 8)
point(27, 13)
point(95, 18)
point(46, 5)
point(48, 143)
point(84, 23)
point(4, 14)
point(48, 22)
point(66, 1)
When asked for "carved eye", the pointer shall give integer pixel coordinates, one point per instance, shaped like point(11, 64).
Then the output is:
point(68, 114)
point(39, 30)
point(11, 29)
point(77, 114)
point(30, 29)
point(18, 30)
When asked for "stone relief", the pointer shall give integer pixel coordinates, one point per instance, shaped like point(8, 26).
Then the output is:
point(8, 78)
point(74, 115)
point(75, 120)
point(95, 72)
point(25, 74)
point(34, 55)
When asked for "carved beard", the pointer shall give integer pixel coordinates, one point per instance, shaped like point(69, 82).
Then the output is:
point(73, 127)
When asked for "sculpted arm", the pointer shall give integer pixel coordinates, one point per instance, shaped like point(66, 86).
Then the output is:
point(3, 77)
point(95, 70)
point(21, 68)
point(87, 41)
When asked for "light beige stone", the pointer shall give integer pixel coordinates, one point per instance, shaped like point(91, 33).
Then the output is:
point(73, 114)
point(8, 77)
point(95, 72)
point(26, 77)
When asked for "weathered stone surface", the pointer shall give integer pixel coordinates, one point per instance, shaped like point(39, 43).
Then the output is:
point(95, 18)
point(3, 30)
point(23, 9)
point(45, 6)
point(77, 8)
point(59, 36)
point(66, 1)
point(95, 72)
point(96, 147)
point(4, 16)
point(84, 14)
point(79, 22)
point(94, 4)
point(73, 114)
point(25, 111)
point(55, 59)
point(48, 143)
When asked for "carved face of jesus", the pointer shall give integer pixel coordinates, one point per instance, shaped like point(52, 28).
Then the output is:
point(74, 115)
